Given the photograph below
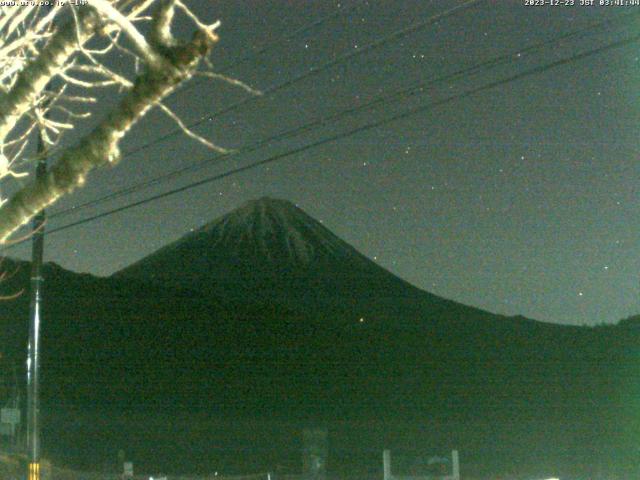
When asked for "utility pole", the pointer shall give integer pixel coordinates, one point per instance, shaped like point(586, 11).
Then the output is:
point(35, 315)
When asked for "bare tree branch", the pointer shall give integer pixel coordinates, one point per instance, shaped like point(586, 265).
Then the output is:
point(190, 133)
point(34, 78)
point(152, 58)
point(33, 54)
point(176, 64)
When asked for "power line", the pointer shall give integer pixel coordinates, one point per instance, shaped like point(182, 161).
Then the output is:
point(267, 46)
point(256, 53)
point(319, 69)
point(293, 34)
point(366, 127)
point(404, 92)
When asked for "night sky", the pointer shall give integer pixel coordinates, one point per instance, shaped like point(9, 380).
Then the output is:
point(520, 199)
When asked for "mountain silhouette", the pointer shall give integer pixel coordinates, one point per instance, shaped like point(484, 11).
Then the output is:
point(269, 251)
point(264, 232)
point(266, 314)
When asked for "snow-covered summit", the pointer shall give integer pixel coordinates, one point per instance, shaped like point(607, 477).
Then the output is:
point(263, 235)
point(276, 231)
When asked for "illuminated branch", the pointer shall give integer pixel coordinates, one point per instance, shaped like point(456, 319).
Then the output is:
point(63, 56)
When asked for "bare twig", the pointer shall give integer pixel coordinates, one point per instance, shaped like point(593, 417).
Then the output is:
point(189, 132)
point(231, 81)
point(33, 54)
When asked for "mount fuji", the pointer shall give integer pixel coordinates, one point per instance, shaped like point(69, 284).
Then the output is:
point(265, 313)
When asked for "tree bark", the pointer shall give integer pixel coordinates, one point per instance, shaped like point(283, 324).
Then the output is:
point(34, 78)
point(101, 145)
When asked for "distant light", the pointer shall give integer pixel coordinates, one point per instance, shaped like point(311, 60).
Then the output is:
point(361, 320)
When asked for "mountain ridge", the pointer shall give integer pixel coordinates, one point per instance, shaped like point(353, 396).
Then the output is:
point(271, 245)
point(337, 339)
point(266, 229)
